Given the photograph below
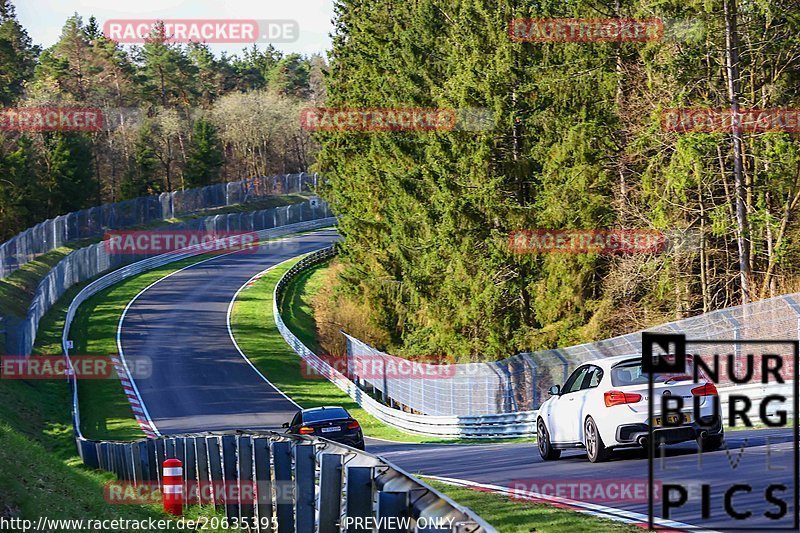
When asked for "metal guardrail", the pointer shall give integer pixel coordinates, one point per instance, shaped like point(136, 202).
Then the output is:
point(92, 260)
point(480, 426)
point(95, 221)
point(296, 483)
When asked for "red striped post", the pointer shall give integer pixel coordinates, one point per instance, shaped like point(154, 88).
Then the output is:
point(173, 487)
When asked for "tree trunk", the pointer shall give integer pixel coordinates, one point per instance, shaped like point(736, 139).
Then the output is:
point(732, 67)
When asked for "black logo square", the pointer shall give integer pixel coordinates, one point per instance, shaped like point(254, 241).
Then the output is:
point(663, 353)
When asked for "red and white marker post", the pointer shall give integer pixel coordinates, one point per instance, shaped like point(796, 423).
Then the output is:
point(173, 487)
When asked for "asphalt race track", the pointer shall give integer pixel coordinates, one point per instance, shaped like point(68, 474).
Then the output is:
point(200, 382)
point(757, 457)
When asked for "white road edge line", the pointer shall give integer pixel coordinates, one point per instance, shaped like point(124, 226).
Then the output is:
point(602, 511)
point(236, 344)
point(230, 330)
point(127, 307)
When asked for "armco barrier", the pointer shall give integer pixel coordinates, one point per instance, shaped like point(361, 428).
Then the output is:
point(483, 426)
point(492, 425)
point(286, 483)
point(91, 261)
point(93, 222)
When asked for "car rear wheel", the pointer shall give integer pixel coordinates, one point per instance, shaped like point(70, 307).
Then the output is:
point(545, 447)
point(595, 449)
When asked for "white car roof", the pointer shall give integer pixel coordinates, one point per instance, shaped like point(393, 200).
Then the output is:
point(608, 362)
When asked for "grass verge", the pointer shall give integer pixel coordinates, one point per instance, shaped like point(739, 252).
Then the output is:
point(509, 515)
point(105, 411)
point(254, 328)
point(42, 474)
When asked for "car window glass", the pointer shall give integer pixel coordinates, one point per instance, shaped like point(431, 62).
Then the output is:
point(297, 419)
point(576, 380)
point(593, 378)
point(330, 413)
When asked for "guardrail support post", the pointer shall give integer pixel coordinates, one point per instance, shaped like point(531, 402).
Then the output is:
point(231, 476)
point(161, 456)
point(392, 505)
point(203, 477)
point(282, 459)
point(263, 483)
point(304, 474)
point(192, 495)
point(330, 493)
point(360, 488)
point(215, 470)
point(246, 485)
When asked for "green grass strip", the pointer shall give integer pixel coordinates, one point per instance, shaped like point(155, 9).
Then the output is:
point(511, 515)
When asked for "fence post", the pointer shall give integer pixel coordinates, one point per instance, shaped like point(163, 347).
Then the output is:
point(359, 495)
point(330, 493)
point(282, 459)
point(304, 474)
point(263, 483)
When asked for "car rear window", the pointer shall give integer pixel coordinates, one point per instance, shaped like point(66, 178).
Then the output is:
point(334, 413)
point(630, 373)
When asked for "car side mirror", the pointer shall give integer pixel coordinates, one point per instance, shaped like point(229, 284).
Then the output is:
point(285, 425)
point(555, 390)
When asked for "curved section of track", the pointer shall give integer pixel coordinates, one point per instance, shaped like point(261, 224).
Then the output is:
point(199, 379)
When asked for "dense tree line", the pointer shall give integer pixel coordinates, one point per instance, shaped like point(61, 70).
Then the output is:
point(578, 143)
point(175, 116)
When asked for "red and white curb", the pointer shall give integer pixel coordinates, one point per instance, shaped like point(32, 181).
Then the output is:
point(133, 399)
point(593, 509)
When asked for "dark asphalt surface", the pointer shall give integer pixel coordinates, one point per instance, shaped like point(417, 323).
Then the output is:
point(755, 457)
point(200, 382)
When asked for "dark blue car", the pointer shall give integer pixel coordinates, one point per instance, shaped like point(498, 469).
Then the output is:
point(332, 423)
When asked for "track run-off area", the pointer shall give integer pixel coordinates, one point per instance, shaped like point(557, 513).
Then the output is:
point(201, 381)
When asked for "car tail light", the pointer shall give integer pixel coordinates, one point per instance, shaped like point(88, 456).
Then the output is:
point(615, 397)
point(709, 389)
point(305, 430)
point(353, 425)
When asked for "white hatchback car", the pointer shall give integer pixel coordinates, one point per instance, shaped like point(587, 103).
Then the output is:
point(604, 405)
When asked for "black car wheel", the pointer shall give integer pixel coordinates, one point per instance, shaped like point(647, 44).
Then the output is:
point(595, 449)
point(545, 447)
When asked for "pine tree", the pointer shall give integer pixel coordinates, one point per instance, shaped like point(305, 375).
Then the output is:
point(205, 156)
